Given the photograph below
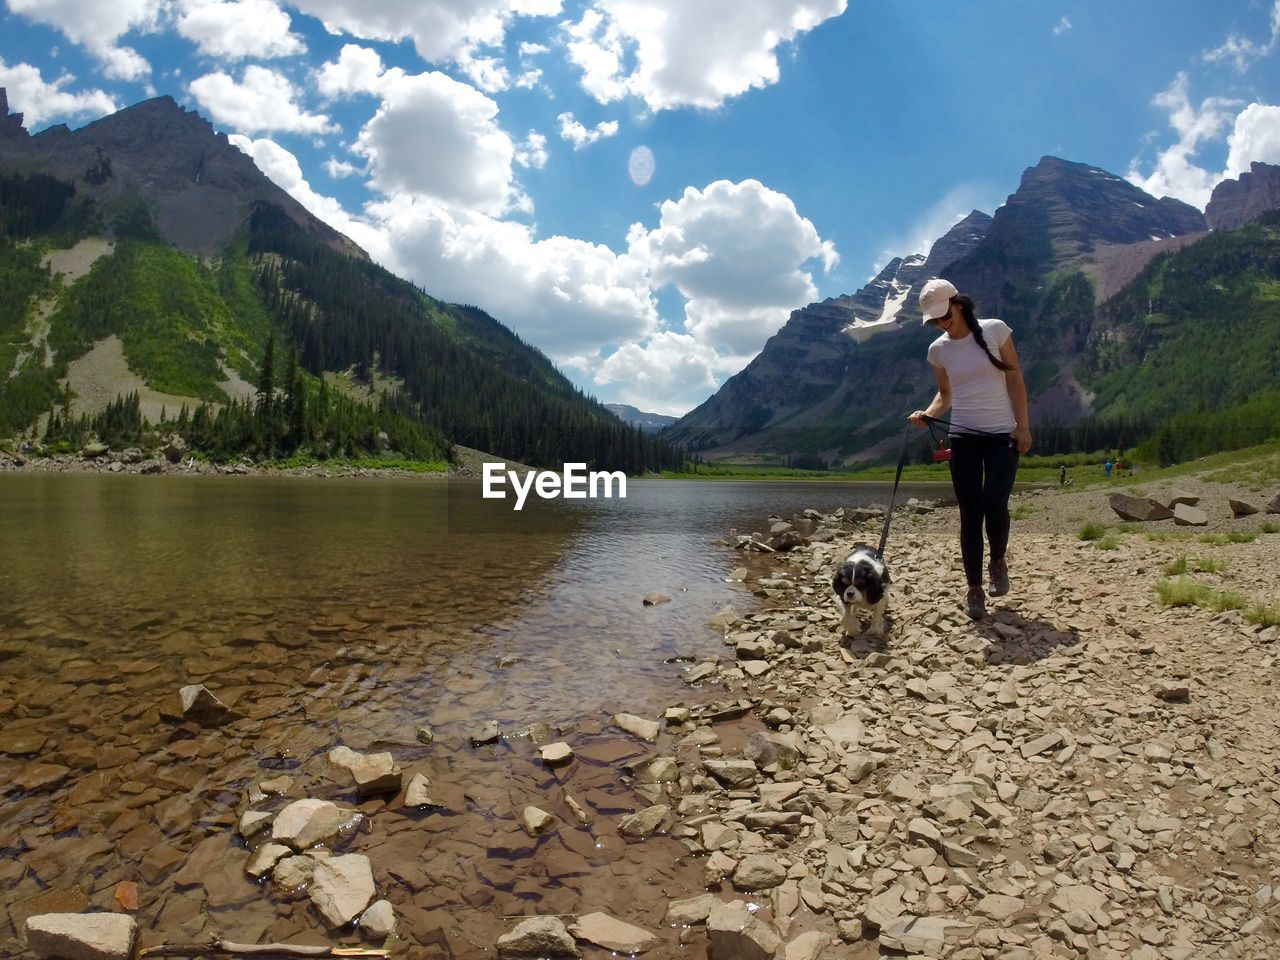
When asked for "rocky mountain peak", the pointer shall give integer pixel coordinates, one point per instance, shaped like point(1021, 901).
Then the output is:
point(196, 187)
point(1236, 202)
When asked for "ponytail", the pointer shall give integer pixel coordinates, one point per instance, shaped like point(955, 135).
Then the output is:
point(971, 321)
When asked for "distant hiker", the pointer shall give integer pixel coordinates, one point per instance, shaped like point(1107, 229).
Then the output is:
point(1107, 466)
point(980, 381)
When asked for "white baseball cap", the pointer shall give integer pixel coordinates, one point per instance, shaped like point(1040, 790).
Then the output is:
point(935, 298)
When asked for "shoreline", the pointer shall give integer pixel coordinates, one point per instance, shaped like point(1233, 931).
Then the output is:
point(1087, 773)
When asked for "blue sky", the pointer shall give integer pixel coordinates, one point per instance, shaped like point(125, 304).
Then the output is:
point(645, 189)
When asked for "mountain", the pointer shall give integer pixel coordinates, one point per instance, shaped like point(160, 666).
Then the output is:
point(648, 422)
point(1070, 237)
point(807, 391)
point(146, 258)
point(1236, 202)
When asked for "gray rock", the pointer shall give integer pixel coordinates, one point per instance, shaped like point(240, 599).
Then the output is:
point(683, 913)
point(928, 935)
point(1274, 505)
point(263, 860)
point(538, 937)
point(294, 873)
point(1139, 508)
point(1240, 508)
point(758, 871)
point(489, 733)
point(884, 907)
point(536, 822)
point(376, 773)
point(304, 823)
point(764, 748)
point(379, 921)
point(556, 754)
point(81, 936)
point(342, 888)
point(1186, 516)
point(735, 933)
point(733, 773)
point(646, 822)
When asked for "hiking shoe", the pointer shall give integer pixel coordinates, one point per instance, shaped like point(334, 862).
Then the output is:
point(976, 602)
point(999, 571)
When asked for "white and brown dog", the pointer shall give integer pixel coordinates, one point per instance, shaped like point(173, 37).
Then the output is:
point(862, 586)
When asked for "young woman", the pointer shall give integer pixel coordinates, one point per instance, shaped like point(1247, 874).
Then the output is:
point(980, 382)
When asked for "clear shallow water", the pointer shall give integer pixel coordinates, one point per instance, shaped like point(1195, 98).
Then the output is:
point(332, 612)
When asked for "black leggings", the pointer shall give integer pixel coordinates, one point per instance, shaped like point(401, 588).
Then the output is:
point(982, 474)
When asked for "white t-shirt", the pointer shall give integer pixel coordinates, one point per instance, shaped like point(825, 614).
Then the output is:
point(979, 393)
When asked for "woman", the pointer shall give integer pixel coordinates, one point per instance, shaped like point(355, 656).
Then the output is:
point(980, 382)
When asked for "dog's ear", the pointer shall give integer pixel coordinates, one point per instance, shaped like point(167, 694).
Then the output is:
point(887, 579)
point(843, 578)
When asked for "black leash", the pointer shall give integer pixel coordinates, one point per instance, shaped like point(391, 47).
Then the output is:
point(902, 462)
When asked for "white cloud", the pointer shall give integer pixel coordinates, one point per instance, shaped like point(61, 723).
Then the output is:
point(672, 53)
point(239, 29)
point(533, 151)
point(1254, 137)
point(435, 137)
point(96, 26)
point(441, 30)
point(41, 102)
point(1061, 27)
point(579, 135)
point(263, 100)
point(737, 253)
point(1241, 51)
point(340, 169)
point(669, 374)
point(357, 70)
point(487, 73)
point(566, 296)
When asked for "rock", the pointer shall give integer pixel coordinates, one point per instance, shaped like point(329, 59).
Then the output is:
point(1274, 505)
point(342, 888)
point(253, 822)
point(764, 748)
point(1239, 508)
point(1181, 496)
point(1172, 691)
point(536, 822)
point(733, 773)
point(489, 733)
point(808, 946)
point(202, 707)
point(556, 754)
point(379, 921)
point(538, 937)
point(654, 599)
point(175, 449)
point(927, 935)
point(604, 931)
point(304, 823)
point(1186, 516)
point(93, 450)
point(1040, 744)
point(418, 793)
point(999, 907)
point(884, 907)
point(683, 913)
point(758, 871)
point(637, 726)
point(81, 936)
point(642, 824)
point(376, 773)
point(1139, 508)
point(294, 873)
point(263, 860)
point(735, 933)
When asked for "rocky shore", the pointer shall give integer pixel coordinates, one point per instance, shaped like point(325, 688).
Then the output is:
point(1087, 773)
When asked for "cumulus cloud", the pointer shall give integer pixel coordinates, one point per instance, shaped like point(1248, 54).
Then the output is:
point(533, 151)
point(239, 29)
point(357, 70)
point(97, 26)
point(1241, 51)
point(1254, 136)
point(41, 101)
point(670, 373)
point(672, 53)
point(435, 137)
point(579, 135)
point(564, 295)
point(1061, 27)
point(1176, 174)
point(263, 100)
point(340, 169)
point(443, 30)
point(737, 253)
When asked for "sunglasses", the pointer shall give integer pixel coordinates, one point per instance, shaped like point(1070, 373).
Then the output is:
point(937, 321)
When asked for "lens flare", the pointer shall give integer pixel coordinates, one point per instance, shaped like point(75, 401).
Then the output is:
point(641, 166)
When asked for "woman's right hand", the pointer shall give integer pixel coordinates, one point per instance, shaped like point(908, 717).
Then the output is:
point(918, 418)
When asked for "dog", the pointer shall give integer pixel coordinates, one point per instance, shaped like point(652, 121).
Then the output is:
point(861, 585)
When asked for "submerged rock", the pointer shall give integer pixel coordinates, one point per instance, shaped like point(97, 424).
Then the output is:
point(538, 937)
point(81, 936)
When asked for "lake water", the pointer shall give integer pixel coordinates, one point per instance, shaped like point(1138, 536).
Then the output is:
point(343, 612)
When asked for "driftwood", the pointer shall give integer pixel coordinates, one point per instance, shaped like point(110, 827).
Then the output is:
point(220, 947)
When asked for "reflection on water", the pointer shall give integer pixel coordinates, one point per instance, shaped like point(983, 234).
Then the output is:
point(327, 613)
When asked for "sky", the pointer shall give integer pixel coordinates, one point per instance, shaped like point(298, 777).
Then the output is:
point(645, 189)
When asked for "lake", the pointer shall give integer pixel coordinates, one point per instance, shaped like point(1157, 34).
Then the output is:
point(344, 612)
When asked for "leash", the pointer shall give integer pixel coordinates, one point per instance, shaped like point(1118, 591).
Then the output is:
point(902, 462)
